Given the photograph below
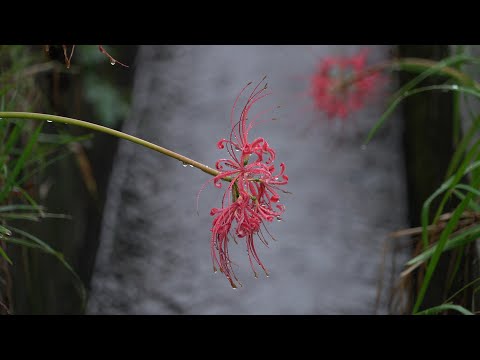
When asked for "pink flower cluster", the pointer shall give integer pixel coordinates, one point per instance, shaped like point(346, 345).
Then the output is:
point(341, 85)
point(251, 196)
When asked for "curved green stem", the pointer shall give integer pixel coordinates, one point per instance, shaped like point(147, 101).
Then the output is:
point(424, 64)
point(409, 64)
point(106, 130)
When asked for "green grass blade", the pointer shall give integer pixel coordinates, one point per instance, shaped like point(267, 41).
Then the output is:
point(472, 205)
point(399, 99)
point(47, 248)
point(473, 153)
point(42, 167)
point(4, 255)
point(462, 239)
point(468, 188)
point(33, 216)
point(444, 307)
point(13, 138)
point(5, 231)
point(462, 146)
point(62, 139)
point(32, 202)
point(457, 113)
point(18, 216)
point(460, 251)
point(19, 164)
point(449, 228)
point(449, 184)
point(22, 242)
point(462, 289)
point(450, 61)
point(7, 208)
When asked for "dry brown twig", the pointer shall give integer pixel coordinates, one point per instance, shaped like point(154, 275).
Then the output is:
point(68, 57)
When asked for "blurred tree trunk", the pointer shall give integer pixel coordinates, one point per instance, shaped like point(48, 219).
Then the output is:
point(429, 146)
point(41, 284)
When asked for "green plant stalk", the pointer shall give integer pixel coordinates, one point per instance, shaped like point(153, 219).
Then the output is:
point(444, 307)
point(457, 118)
point(453, 242)
point(472, 154)
point(456, 267)
point(449, 186)
point(472, 205)
point(106, 130)
point(9, 182)
point(452, 223)
point(462, 289)
point(416, 64)
point(462, 146)
point(457, 115)
point(402, 93)
point(412, 65)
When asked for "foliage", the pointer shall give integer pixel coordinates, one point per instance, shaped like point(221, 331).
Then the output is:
point(25, 152)
point(441, 233)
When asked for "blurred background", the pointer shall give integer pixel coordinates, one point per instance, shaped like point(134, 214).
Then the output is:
point(130, 227)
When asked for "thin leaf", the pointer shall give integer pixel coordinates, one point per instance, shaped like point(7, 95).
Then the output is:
point(462, 289)
point(468, 188)
point(472, 205)
point(4, 230)
point(463, 238)
point(39, 169)
point(47, 248)
point(19, 164)
point(33, 216)
point(398, 100)
point(462, 146)
point(444, 307)
point(449, 184)
point(13, 138)
point(5, 256)
point(458, 262)
point(32, 202)
point(451, 225)
point(36, 240)
point(457, 177)
point(7, 208)
point(434, 70)
point(22, 242)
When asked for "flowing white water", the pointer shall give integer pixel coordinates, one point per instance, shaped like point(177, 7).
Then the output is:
point(154, 256)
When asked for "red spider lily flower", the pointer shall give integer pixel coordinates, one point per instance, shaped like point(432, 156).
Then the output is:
point(252, 194)
point(341, 85)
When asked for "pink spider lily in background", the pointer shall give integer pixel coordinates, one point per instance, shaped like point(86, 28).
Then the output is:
point(251, 196)
point(341, 85)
